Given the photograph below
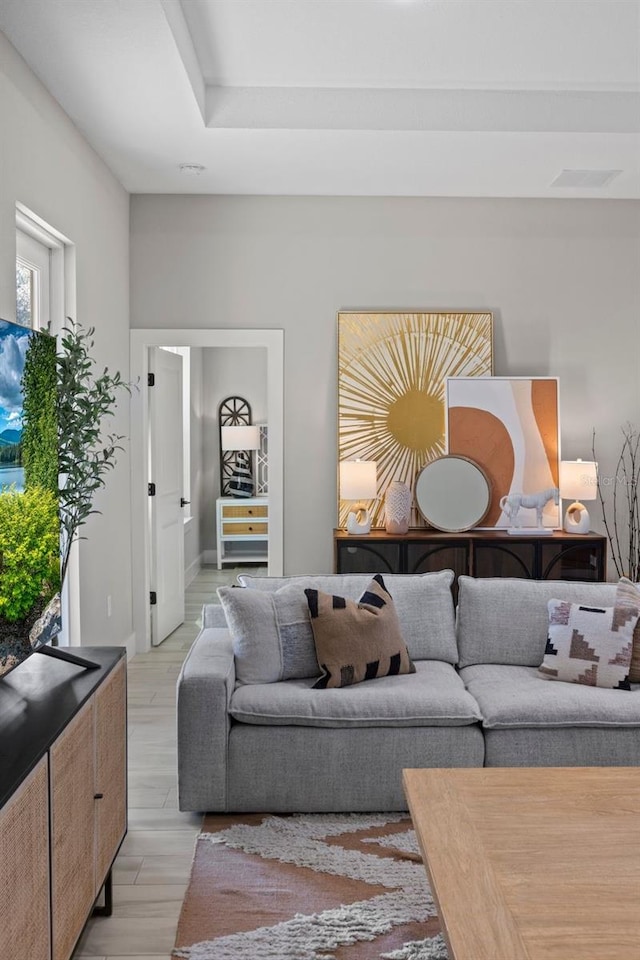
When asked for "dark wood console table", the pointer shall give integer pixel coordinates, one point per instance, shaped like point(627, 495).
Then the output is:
point(477, 553)
point(63, 797)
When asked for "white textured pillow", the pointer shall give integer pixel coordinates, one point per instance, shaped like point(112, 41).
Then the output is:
point(589, 645)
point(423, 602)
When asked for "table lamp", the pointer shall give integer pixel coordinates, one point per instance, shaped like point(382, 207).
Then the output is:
point(241, 439)
point(358, 481)
point(578, 481)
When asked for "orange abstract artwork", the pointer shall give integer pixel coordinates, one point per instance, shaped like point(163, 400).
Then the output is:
point(510, 427)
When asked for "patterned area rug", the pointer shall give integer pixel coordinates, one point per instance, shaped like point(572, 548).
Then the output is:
point(308, 887)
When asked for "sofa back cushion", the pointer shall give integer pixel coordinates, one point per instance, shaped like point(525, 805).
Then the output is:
point(423, 602)
point(505, 620)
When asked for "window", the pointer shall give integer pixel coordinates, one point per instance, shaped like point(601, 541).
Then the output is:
point(45, 293)
point(33, 281)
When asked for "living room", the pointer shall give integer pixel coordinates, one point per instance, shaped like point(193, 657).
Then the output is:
point(437, 195)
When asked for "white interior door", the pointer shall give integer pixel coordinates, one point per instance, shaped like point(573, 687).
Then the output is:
point(166, 472)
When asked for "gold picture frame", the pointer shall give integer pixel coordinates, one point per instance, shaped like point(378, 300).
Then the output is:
point(392, 371)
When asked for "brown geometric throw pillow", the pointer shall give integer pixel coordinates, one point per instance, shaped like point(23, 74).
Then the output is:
point(628, 595)
point(589, 645)
point(357, 641)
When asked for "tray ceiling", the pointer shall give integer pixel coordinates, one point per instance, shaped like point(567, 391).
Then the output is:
point(347, 97)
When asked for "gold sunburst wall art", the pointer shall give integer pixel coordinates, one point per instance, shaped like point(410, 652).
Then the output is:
point(392, 369)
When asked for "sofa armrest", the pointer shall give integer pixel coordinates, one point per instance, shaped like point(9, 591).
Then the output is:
point(205, 685)
point(213, 616)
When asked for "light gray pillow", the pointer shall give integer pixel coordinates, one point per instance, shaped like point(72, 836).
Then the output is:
point(272, 635)
point(423, 602)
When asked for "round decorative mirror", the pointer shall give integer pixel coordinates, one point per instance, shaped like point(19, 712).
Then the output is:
point(453, 493)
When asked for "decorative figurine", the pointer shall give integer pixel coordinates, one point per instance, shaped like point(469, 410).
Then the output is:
point(510, 505)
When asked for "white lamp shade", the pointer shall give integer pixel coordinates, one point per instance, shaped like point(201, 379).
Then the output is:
point(358, 480)
point(578, 480)
point(241, 438)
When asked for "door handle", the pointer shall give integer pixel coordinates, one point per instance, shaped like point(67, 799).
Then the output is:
point(184, 502)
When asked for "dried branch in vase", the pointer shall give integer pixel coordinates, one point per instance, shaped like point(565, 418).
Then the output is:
point(622, 515)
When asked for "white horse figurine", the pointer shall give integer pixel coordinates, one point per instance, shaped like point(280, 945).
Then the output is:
point(511, 505)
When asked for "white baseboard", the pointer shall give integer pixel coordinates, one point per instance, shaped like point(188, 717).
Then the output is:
point(209, 556)
point(130, 644)
point(192, 571)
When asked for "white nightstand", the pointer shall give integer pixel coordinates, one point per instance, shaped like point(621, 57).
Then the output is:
point(242, 521)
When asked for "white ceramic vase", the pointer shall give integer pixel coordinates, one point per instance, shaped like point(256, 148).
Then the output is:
point(397, 507)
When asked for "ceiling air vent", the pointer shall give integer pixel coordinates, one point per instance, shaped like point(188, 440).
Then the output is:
point(587, 179)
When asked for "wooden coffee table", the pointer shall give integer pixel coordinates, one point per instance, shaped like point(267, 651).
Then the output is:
point(532, 863)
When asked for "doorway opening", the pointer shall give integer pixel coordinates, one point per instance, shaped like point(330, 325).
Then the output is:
point(195, 345)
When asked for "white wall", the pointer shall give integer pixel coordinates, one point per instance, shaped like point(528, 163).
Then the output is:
point(227, 371)
point(562, 278)
point(47, 165)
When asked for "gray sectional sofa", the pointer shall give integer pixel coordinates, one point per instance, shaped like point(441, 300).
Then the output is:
point(254, 736)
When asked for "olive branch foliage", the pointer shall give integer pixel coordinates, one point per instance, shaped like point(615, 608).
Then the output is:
point(85, 454)
point(623, 523)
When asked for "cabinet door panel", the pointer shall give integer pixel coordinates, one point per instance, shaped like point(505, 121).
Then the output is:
point(24, 870)
point(368, 557)
point(111, 769)
point(429, 557)
point(508, 559)
point(73, 884)
point(572, 561)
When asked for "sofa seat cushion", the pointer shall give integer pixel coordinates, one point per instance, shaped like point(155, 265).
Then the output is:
point(432, 696)
point(512, 696)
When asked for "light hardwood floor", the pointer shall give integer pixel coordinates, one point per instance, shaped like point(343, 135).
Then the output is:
point(151, 872)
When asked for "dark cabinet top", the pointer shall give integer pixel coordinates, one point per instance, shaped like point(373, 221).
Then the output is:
point(37, 701)
point(420, 533)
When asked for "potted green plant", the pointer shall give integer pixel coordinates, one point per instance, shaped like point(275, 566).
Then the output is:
point(66, 456)
point(85, 454)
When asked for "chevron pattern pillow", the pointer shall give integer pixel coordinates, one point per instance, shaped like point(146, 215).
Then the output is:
point(357, 640)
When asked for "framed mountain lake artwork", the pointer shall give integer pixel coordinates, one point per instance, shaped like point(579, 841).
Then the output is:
point(29, 526)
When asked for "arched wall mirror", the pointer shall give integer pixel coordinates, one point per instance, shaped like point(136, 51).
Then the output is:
point(236, 412)
point(453, 493)
point(232, 412)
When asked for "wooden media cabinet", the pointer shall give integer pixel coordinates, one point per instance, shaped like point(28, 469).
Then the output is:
point(63, 798)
